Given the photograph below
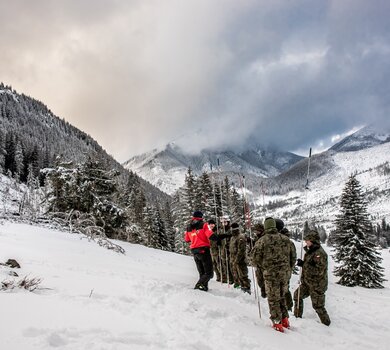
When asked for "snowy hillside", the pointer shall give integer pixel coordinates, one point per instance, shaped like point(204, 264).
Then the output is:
point(321, 202)
point(92, 298)
point(368, 136)
point(166, 168)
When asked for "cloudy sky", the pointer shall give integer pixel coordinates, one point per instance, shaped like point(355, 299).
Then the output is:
point(137, 74)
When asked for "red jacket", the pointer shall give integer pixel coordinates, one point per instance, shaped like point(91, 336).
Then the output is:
point(199, 237)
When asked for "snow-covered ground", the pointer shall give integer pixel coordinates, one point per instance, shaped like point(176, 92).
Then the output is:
point(92, 298)
point(320, 203)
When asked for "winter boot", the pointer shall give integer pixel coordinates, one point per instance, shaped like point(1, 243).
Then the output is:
point(278, 327)
point(324, 317)
point(202, 287)
point(285, 322)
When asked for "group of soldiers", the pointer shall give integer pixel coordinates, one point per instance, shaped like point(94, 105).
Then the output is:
point(223, 248)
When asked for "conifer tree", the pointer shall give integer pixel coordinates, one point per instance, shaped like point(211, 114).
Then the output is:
point(2, 151)
point(358, 261)
point(169, 226)
point(181, 217)
point(217, 200)
point(189, 190)
point(205, 195)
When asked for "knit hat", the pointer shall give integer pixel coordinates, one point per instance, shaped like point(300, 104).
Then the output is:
point(279, 224)
point(235, 226)
point(211, 222)
point(269, 223)
point(197, 214)
point(312, 236)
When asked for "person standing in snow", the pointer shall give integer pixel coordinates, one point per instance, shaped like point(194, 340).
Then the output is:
point(258, 230)
point(215, 249)
point(199, 234)
point(238, 261)
point(293, 258)
point(227, 276)
point(314, 279)
point(272, 255)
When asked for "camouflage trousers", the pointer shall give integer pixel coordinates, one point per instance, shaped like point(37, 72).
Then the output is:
point(217, 266)
point(317, 301)
point(227, 275)
point(240, 274)
point(276, 287)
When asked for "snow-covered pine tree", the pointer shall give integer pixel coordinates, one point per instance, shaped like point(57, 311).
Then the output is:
point(154, 228)
point(18, 160)
point(59, 193)
point(237, 209)
point(169, 226)
point(2, 150)
point(358, 261)
point(189, 190)
point(181, 215)
point(97, 186)
point(204, 195)
point(132, 198)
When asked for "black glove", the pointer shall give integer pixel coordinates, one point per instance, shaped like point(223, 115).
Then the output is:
point(222, 236)
point(299, 262)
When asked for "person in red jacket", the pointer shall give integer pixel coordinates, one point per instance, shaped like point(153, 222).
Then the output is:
point(199, 234)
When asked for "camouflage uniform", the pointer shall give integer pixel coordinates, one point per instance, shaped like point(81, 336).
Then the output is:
point(314, 280)
point(238, 261)
point(293, 259)
point(272, 255)
point(227, 275)
point(215, 250)
point(258, 229)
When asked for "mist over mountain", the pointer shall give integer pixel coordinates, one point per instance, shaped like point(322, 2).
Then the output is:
point(166, 168)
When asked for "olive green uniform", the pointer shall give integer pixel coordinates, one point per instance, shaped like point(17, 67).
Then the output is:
point(238, 260)
point(314, 279)
point(271, 255)
point(215, 249)
point(226, 271)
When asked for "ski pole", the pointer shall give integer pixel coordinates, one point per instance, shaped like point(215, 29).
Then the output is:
point(217, 223)
point(307, 220)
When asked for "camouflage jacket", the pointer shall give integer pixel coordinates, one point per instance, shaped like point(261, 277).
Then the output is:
point(293, 255)
point(237, 247)
point(225, 243)
point(315, 268)
point(214, 245)
point(271, 253)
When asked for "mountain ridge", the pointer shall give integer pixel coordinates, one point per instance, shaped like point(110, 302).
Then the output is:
point(166, 168)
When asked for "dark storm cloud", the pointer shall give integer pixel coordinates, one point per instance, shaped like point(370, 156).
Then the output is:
point(138, 74)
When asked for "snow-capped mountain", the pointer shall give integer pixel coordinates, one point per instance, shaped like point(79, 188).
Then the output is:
point(365, 137)
point(166, 168)
point(329, 171)
point(279, 193)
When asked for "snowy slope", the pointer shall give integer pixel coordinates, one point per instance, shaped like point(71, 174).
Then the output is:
point(321, 202)
point(92, 298)
point(368, 136)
